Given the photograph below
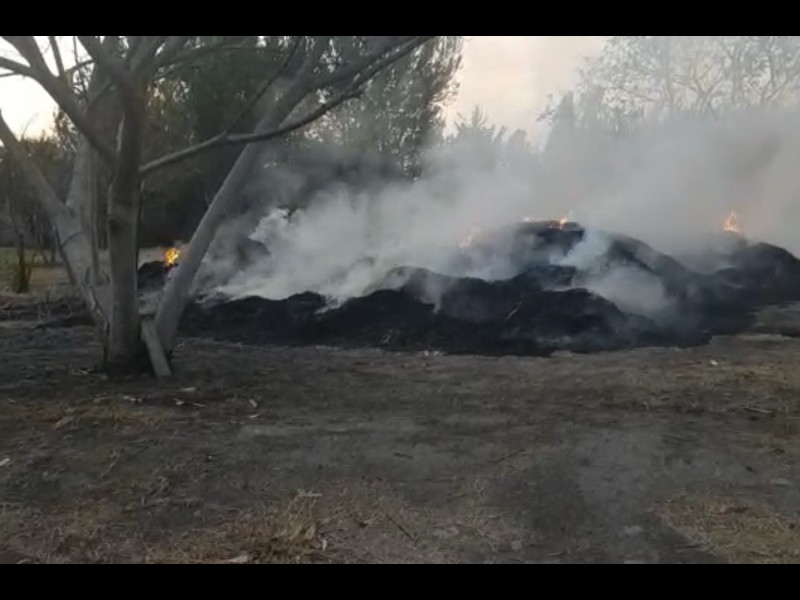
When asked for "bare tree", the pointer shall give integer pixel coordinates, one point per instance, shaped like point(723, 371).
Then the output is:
point(109, 117)
point(666, 75)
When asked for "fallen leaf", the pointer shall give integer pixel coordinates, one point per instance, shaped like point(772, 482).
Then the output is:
point(253, 403)
point(714, 363)
point(63, 422)
point(239, 560)
point(5, 462)
point(305, 494)
point(179, 402)
point(189, 390)
point(781, 482)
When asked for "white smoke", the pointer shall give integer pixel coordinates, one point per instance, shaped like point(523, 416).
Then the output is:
point(670, 186)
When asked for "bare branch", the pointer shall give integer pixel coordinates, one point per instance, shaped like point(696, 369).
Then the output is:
point(356, 67)
point(173, 45)
point(250, 138)
point(267, 84)
point(44, 191)
point(180, 61)
point(144, 59)
point(57, 58)
point(60, 92)
point(226, 139)
point(115, 69)
point(15, 68)
point(29, 50)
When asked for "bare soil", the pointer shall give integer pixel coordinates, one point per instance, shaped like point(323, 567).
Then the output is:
point(268, 454)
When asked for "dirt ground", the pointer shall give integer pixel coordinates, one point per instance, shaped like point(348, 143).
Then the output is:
point(264, 454)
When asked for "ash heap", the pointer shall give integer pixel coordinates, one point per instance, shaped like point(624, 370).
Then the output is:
point(569, 288)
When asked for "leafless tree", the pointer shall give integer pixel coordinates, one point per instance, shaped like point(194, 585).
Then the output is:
point(109, 116)
point(665, 75)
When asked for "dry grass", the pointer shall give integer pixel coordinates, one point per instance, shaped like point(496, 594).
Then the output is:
point(51, 281)
point(354, 523)
point(737, 529)
point(292, 533)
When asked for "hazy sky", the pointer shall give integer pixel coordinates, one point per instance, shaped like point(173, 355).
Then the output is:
point(509, 77)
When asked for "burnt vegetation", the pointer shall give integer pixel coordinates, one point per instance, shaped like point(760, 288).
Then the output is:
point(542, 309)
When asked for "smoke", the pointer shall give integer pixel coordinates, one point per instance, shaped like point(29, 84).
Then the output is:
point(670, 185)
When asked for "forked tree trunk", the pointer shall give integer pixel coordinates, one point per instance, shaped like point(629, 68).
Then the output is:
point(115, 305)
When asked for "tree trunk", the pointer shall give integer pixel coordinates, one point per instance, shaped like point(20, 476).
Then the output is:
point(126, 350)
point(72, 242)
point(179, 287)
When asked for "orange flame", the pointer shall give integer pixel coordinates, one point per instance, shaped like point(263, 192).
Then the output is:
point(563, 220)
point(171, 256)
point(732, 223)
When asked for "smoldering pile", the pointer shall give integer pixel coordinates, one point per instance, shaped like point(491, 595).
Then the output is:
point(567, 293)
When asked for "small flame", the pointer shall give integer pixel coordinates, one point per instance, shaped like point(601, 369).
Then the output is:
point(732, 223)
point(171, 256)
point(563, 220)
point(469, 239)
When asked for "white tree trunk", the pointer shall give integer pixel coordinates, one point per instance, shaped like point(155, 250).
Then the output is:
point(179, 287)
point(73, 245)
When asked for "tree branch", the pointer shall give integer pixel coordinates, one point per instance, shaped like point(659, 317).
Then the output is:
point(356, 67)
point(61, 93)
point(144, 59)
point(226, 138)
point(250, 138)
point(44, 191)
point(267, 84)
point(114, 68)
point(57, 58)
point(173, 45)
point(16, 68)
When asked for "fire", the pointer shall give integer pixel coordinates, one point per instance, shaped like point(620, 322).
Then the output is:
point(563, 220)
point(732, 223)
point(469, 239)
point(171, 256)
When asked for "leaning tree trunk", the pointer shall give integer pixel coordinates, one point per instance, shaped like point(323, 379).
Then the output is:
point(71, 240)
point(179, 287)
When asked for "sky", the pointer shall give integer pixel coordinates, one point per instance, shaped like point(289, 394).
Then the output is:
point(510, 77)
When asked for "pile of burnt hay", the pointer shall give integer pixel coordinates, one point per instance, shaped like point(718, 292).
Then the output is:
point(545, 306)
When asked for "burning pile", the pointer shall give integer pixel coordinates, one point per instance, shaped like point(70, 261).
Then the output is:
point(152, 275)
point(546, 305)
point(171, 256)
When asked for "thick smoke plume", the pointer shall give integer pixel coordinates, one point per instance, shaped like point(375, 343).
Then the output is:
point(671, 186)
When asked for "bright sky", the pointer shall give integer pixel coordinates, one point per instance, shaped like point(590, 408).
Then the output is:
point(510, 77)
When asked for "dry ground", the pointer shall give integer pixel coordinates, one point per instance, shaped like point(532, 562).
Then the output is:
point(325, 455)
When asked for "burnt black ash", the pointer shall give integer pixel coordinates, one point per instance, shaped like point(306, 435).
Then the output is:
point(543, 307)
